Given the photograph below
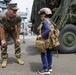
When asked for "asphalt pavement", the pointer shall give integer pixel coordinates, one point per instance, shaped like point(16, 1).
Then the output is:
point(65, 64)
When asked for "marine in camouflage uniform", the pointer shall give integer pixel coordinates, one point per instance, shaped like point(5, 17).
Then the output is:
point(11, 27)
point(10, 30)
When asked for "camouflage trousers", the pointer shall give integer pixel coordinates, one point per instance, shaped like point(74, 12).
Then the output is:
point(4, 53)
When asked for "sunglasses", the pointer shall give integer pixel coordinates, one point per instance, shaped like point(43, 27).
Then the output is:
point(15, 10)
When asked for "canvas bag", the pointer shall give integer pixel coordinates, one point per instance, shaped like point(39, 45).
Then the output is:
point(53, 36)
point(52, 40)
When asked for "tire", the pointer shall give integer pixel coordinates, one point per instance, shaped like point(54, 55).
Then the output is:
point(67, 38)
point(10, 41)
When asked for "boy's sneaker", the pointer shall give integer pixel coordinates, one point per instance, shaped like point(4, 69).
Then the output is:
point(50, 69)
point(44, 71)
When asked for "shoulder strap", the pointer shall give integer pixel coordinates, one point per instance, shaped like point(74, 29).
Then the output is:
point(40, 27)
point(51, 25)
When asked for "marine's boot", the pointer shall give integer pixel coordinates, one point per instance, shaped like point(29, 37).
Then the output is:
point(4, 63)
point(20, 61)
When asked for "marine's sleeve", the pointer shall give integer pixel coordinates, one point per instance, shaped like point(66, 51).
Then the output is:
point(1, 23)
point(18, 20)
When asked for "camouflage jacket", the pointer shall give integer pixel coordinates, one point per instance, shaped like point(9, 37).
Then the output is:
point(9, 23)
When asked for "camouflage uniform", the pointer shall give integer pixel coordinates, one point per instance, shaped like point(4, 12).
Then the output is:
point(10, 30)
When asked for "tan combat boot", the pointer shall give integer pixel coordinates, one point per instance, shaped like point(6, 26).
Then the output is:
point(20, 61)
point(4, 63)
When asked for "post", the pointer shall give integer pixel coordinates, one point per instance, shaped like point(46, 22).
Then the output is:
point(23, 30)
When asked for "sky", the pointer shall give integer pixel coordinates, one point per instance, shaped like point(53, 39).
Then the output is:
point(23, 4)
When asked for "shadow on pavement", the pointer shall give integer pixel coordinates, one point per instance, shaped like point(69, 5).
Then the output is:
point(35, 67)
point(31, 50)
point(10, 60)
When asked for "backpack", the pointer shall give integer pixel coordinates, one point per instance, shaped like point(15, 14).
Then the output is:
point(52, 40)
point(53, 35)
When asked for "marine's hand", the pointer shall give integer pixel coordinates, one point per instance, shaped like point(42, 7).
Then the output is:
point(3, 42)
point(18, 41)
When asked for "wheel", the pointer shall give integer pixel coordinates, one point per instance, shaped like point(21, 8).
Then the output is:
point(10, 40)
point(67, 38)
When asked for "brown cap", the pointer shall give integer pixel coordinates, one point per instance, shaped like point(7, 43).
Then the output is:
point(13, 6)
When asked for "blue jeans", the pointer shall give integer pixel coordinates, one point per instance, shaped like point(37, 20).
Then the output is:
point(46, 59)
